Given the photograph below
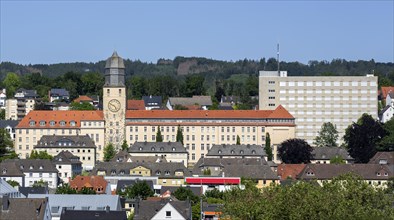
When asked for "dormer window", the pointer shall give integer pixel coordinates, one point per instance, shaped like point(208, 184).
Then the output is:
point(41, 167)
point(382, 161)
point(219, 151)
point(52, 123)
point(167, 173)
point(62, 123)
point(310, 173)
point(152, 149)
point(22, 167)
point(31, 167)
point(253, 152)
point(232, 152)
point(386, 174)
point(72, 123)
point(113, 172)
point(241, 152)
point(42, 123)
point(140, 148)
point(122, 172)
point(162, 149)
point(173, 149)
point(378, 174)
point(158, 172)
point(4, 171)
point(32, 123)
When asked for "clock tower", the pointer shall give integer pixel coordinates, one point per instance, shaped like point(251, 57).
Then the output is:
point(114, 101)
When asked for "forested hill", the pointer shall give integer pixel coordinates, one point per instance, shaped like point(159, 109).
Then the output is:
point(217, 68)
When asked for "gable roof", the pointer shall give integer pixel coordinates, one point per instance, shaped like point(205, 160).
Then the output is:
point(191, 101)
point(62, 141)
point(387, 107)
point(383, 155)
point(236, 150)
point(24, 208)
point(279, 113)
point(88, 181)
point(59, 116)
point(66, 157)
point(157, 147)
point(10, 123)
point(33, 190)
point(286, 171)
point(96, 215)
point(151, 101)
point(83, 98)
point(386, 90)
point(7, 189)
point(34, 165)
point(148, 209)
point(59, 92)
point(327, 153)
point(135, 105)
point(329, 171)
point(10, 168)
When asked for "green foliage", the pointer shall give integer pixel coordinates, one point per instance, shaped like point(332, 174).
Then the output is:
point(345, 197)
point(11, 83)
point(139, 190)
point(2, 114)
point(13, 183)
point(390, 186)
point(86, 190)
point(180, 107)
point(207, 172)
point(179, 135)
point(196, 211)
point(183, 193)
point(66, 189)
point(267, 148)
point(40, 155)
point(215, 193)
point(361, 138)
point(194, 85)
point(40, 183)
point(109, 152)
point(6, 145)
point(328, 136)
point(337, 160)
point(294, 151)
point(125, 146)
point(238, 140)
point(84, 106)
point(387, 142)
point(159, 137)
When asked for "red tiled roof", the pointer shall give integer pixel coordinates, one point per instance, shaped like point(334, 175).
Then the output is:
point(386, 90)
point(135, 105)
point(83, 98)
point(58, 116)
point(279, 112)
point(289, 170)
point(89, 181)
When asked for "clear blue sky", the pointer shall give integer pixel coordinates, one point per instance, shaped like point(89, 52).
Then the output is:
point(88, 31)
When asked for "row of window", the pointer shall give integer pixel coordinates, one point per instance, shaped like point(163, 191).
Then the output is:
point(53, 123)
point(327, 91)
point(327, 83)
point(193, 129)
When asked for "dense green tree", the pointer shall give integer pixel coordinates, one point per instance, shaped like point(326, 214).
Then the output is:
point(337, 160)
point(140, 189)
point(13, 183)
point(215, 193)
point(65, 189)
point(136, 86)
point(85, 106)
point(87, 190)
point(125, 146)
point(238, 140)
point(159, 137)
point(180, 107)
point(2, 114)
point(361, 138)
point(109, 152)
point(207, 172)
point(179, 135)
point(327, 137)
point(183, 193)
point(295, 151)
point(194, 85)
point(6, 144)
point(387, 142)
point(40, 183)
point(40, 155)
point(92, 83)
point(267, 148)
point(11, 83)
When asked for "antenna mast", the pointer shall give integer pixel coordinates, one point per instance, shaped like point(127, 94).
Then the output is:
point(278, 57)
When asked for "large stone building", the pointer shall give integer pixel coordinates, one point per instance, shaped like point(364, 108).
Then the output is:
point(313, 100)
point(201, 129)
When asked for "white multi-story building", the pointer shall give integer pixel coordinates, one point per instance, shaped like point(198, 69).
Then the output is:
point(313, 100)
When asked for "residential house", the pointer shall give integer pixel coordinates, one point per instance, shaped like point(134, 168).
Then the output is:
point(375, 174)
point(59, 202)
point(212, 211)
point(96, 183)
point(25, 101)
point(107, 214)
point(11, 109)
point(11, 171)
point(25, 208)
point(390, 98)
point(232, 100)
point(383, 158)
point(7, 190)
point(3, 97)
point(171, 151)
point(289, 172)
point(59, 94)
point(84, 99)
point(152, 102)
point(68, 165)
point(163, 209)
point(325, 154)
point(386, 114)
point(256, 169)
point(9, 126)
point(384, 91)
point(34, 171)
point(204, 102)
point(135, 105)
point(125, 157)
point(81, 146)
point(237, 151)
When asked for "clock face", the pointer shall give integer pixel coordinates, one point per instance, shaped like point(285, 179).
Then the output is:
point(114, 105)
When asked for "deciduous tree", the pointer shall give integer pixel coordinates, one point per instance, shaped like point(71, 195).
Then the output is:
point(295, 151)
point(109, 152)
point(125, 146)
point(140, 189)
point(328, 136)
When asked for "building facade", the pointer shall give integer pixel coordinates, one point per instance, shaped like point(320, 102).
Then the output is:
point(313, 100)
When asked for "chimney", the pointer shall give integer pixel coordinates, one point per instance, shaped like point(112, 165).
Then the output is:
point(6, 202)
point(107, 209)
